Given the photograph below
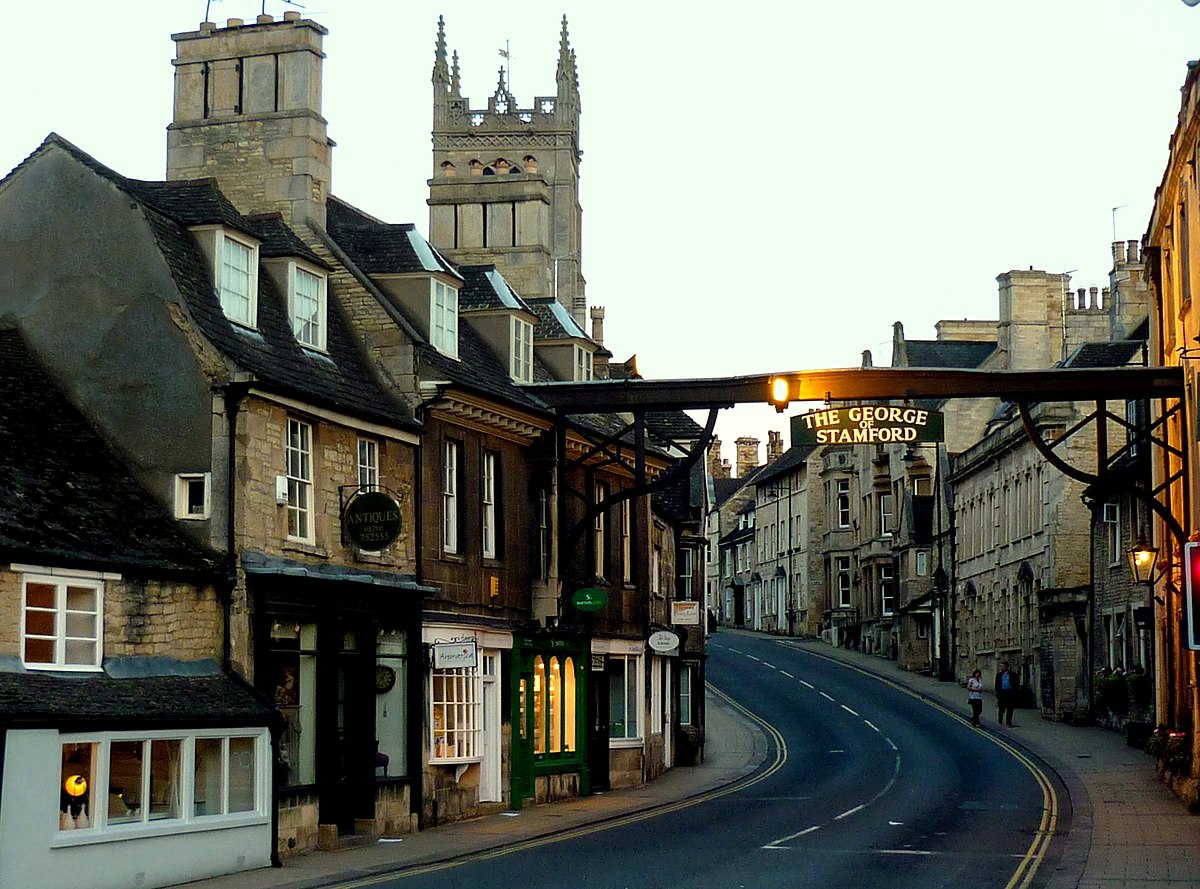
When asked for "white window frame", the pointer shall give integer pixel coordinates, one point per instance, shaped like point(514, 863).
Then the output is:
point(922, 563)
point(487, 496)
point(842, 573)
point(685, 573)
point(685, 694)
point(887, 512)
point(627, 540)
point(451, 454)
point(98, 828)
point(183, 485)
point(462, 699)
point(299, 481)
point(316, 338)
point(368, 464)
point(600, 531)
point(521, 364)
point(61, 581)
point(443, 317)
point(887, 590)
point(1111, 515)
point(656, 693)
point(224, 274)
point(633, 709)
point(583, 364)
point(842, 486)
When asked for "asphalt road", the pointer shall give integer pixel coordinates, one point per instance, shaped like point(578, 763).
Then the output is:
point(867, 785)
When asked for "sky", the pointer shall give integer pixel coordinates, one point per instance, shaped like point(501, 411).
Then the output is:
point(766, 186)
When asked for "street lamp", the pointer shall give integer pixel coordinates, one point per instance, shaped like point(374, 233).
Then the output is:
point(1143, 556)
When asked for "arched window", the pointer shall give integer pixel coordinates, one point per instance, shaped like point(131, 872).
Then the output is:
point(531, 164)
point(476, 168)
point(449, 170)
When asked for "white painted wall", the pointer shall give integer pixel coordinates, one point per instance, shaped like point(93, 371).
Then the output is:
point(33, 852)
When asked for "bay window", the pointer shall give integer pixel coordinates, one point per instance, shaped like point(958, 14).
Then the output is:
point(454, 703)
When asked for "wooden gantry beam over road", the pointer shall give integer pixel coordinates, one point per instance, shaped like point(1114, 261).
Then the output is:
point(865, 384)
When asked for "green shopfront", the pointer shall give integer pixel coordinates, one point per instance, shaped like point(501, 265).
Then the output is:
point(549, 717)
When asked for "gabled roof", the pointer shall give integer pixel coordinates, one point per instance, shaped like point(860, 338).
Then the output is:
point(789, 461)
point(339, 378)
point(1116, 354)
point(65, 498)
point(948, 353)
point(278, 240)
point(379, 248)
point(724, 488)
point(485, 288)
point(554, 321)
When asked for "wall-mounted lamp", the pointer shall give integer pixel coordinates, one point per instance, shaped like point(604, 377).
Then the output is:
point(1142, 558)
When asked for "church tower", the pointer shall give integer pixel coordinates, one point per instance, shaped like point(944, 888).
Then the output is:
point(505, 186)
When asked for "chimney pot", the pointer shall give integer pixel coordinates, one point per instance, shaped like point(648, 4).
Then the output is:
point(234, 23)
point(207, 27)
point(264, 19)
point(291, 16)
point(1118, 249)
point(1131, 251)
point(1093, 302)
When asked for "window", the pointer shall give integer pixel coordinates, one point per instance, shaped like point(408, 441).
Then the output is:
point(885, 514)
point(623, 697)
point(521, 365)
point(583, 364)
point(655, 569)
point(842, 564)
point(887, 591)
point(543, 534)
point(627, 540)
point(450, 455)
point(368, 464)
point(299, 481)
point(488, 504)
point(443, 326)
point(454, 714)
point(293, 674)
point(685, 573)
point(306, 306)
point(62, 624)
point(391, 704)
point(1112, 531)
point(685, 694)
point(843, 503)
point(160, 778)
point(600, 532)
point(191, 495)
point(656, 695)
point(555, 723)
point(922, 563)
point(237, 280)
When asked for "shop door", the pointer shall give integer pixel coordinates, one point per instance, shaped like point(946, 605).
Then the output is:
point(598, 729)
point(350, 792)
point(522, 742)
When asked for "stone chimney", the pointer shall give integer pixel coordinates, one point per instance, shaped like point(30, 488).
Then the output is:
point(774, 446)
point(248, 113)
point(717, 467)
point(602, 355)
point(747, 455)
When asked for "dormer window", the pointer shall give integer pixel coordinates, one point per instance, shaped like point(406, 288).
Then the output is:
point(521, 365)
point(306, 305)
point(443, 315)
point(237, 279)
point(583, 364)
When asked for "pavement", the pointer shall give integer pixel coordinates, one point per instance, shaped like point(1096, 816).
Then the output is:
point(1127, 830)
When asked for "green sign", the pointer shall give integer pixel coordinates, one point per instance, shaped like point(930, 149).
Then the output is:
point(867, 424)
point(372, 520)
point(589, 599)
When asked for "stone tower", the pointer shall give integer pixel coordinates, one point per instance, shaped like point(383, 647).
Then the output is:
point(505, 186)
point(248, 113)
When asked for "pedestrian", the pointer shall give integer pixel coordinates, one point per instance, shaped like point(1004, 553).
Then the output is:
point(975, 696)
point(1006, 692)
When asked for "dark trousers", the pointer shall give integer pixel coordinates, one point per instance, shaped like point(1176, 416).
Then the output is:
point(976, 709)
point(1004, 700)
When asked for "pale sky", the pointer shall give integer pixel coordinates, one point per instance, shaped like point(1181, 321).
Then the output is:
point(766, 186)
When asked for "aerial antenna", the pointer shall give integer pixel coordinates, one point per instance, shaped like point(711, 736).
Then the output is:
point(1123, 206)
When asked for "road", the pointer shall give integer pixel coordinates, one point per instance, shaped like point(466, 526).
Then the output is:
point(866, 785)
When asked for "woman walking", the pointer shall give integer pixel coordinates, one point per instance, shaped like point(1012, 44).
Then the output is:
point(975, 696)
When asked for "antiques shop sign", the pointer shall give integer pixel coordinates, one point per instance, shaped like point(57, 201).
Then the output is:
point(372, 520)
point(867, 424)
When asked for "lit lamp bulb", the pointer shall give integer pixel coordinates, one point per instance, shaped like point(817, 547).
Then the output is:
point(76, 785)
point(781, 386)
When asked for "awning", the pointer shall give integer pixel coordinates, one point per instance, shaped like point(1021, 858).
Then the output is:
point(261, 563)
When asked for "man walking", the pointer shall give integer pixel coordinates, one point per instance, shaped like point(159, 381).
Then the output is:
point(1006, 692)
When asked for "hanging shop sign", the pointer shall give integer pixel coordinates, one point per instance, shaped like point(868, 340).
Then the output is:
point(454, 655)
point(685, 614)
point(867, 424)
point(589, 599)
point(663, 641)
point(371, 520)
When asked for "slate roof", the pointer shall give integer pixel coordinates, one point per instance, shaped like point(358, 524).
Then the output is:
point(786, 462)
point(1117, 354)
point(554, 321)
point(78, 701)
point(340, 378)
point(485, 288)
point(380, 248)
point(65, 498)
point(948, 353)
point(724, 488)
